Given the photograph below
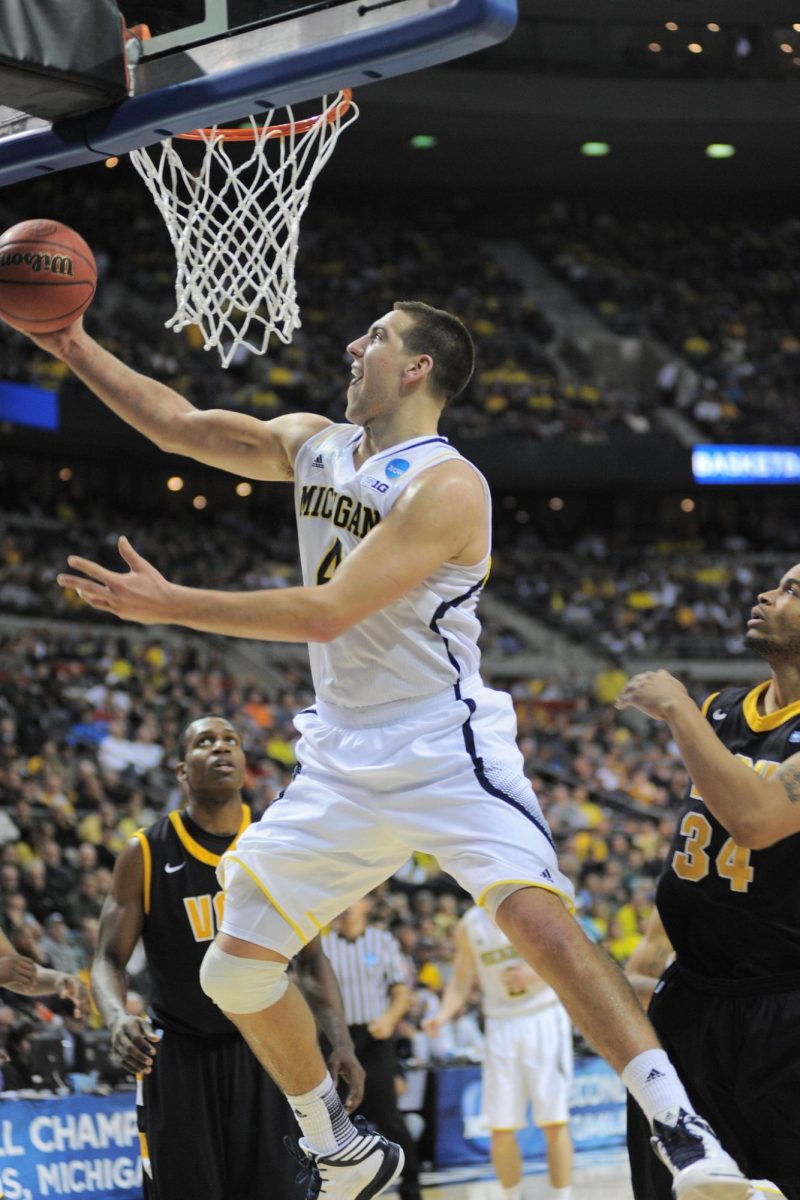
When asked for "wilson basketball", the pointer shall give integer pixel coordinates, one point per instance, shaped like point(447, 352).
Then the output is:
point(47, 275)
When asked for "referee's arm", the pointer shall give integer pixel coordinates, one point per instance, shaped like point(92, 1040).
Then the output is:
point(399, 1003)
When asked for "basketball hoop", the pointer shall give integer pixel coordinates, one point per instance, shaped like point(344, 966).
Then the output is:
point(235, 224)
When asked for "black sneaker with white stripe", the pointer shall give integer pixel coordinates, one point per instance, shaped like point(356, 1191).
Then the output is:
point(701, 1169)
point(363, 1169)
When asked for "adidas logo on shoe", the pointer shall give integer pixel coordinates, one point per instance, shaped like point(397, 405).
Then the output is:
point(701, 1169)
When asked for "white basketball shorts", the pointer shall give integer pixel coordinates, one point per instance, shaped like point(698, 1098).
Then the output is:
point(528, 1058)
point(441, 775)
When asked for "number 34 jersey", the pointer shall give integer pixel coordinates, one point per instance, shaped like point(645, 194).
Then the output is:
point(733, 913)
point(423, 643)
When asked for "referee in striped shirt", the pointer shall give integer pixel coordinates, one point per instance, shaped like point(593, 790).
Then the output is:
point(372, 974)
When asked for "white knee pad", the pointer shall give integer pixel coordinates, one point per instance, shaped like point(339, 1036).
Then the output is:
point(241, 985)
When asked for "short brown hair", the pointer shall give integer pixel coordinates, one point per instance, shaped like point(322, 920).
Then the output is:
point(446, 339)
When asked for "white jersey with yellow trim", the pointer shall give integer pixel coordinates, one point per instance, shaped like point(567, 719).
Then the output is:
point(494, 954)
point(421, 644)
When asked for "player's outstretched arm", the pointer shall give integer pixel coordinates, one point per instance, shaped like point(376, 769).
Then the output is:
point(459, 986)
point(649, 959)
point(321, 988)
point(442, 517)
point(27, 978)
point(757, 812)
point(121, 922)
point(232, 441)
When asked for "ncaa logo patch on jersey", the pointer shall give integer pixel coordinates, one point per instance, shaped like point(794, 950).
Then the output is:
point(397, 467)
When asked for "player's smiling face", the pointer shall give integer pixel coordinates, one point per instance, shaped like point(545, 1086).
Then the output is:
point(214, 758)
point(380, 359)
point(774, 624)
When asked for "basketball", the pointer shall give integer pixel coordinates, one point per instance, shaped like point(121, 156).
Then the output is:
point(47, 275)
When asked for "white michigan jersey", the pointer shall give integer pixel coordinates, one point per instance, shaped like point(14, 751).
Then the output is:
point(424, 642)
point(493, 955)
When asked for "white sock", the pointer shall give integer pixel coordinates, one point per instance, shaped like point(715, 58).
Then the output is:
point(564, 1193)
point(322, 1117)
point(654, 1084)
point(513, 1193)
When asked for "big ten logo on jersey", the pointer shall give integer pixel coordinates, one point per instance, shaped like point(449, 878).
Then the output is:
point(205, 915)
point(377, 484)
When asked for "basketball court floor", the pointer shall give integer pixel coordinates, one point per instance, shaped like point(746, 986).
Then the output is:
point(601, 1175)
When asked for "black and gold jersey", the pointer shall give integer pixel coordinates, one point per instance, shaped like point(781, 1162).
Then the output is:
point(182, 912)
point(732, 913)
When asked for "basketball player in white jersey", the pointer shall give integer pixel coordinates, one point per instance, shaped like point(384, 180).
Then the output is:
point(405, 747)
point(528, 1050)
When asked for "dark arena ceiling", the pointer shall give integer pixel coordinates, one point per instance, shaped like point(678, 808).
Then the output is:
point(575, 71)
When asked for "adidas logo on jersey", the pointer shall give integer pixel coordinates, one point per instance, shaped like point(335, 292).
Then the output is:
point(545, 874)
point(319, 461)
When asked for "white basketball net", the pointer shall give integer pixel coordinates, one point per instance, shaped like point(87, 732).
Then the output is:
point(234, 225)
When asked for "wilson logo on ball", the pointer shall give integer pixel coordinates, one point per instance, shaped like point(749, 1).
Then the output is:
point(57, 264)
point(47, 276)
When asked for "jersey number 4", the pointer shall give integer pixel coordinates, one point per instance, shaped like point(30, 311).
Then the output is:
point(329, 561)
point(693, 862)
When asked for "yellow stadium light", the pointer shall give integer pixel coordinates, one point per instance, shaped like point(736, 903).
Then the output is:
point(720, 150)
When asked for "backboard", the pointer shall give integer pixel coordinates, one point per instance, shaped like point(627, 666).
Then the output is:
point(217, 61)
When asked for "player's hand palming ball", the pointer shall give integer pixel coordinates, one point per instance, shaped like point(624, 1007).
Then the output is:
point(48, 276)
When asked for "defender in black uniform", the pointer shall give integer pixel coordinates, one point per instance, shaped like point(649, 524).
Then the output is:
point(211, 1121)
point(728, 906)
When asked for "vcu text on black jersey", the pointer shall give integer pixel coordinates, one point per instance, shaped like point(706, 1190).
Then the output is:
point(182, 911)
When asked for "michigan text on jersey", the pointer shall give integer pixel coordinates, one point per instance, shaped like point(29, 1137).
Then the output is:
point(321, 501)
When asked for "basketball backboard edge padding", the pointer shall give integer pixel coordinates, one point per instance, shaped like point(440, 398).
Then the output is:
point(347, 46)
